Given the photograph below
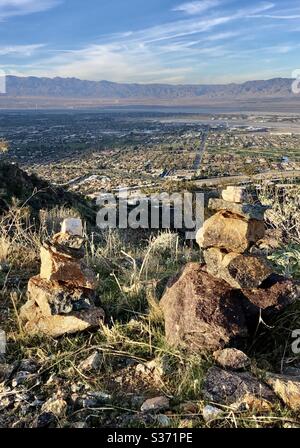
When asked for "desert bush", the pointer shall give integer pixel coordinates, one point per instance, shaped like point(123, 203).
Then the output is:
point(287, 260)
point(284, 213)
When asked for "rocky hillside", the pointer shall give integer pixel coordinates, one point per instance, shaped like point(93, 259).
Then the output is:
point(17, 186)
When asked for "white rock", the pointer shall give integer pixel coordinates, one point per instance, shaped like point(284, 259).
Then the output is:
point(234, 194)
point(211, 413)
point(155, 404)
point(72, 226)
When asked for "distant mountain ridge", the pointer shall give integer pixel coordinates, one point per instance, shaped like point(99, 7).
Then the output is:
point(19, 87)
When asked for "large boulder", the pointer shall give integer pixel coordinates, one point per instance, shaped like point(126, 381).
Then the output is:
point(240, 271)
point(230, 232)
point(202, 312)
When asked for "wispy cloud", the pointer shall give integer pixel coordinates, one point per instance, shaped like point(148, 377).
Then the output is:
point(12, 8)
point(197, 7)
point(278, 17)
point(206, 39)
point(20, 50)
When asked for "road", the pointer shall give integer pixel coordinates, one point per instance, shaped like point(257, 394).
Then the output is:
point(279, 176)
point(269, 175)
point(200, 152)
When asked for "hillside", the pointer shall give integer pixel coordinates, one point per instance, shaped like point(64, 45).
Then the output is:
point(17, 185)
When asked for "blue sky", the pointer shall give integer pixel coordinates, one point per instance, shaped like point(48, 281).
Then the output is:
point(174, 41)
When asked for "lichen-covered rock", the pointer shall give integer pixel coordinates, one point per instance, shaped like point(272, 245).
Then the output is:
point(231, 358)
point(211, 413)
point(57, 298)
point(237, 389)
point(240, 271)
point(228, 231)
point(287, 388)
point(247, 211)
point(201, 312)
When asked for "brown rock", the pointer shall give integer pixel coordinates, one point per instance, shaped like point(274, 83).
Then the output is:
point(287, 388)
point(231, 358)
point(59, 325)
point(237, 389)
point(55, 267)
point(201, 312)
point(275, 294)
point(240, 271)
point(227, 231)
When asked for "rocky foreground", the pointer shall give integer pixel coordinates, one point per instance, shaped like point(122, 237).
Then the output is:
point(210, 314)
point(217, 306)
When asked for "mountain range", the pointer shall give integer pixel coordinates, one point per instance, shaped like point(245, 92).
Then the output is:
point(76, 88)
point(33, 92)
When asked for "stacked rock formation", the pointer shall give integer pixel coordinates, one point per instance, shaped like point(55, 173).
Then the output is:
point(212, 306)
point(61, 298)
point(227, 238)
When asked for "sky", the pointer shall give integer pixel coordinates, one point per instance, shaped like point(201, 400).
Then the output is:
point(153, 41)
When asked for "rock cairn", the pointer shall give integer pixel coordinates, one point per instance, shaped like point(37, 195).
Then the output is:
point(227, 238)
point(61, 300)
point(216, 305)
